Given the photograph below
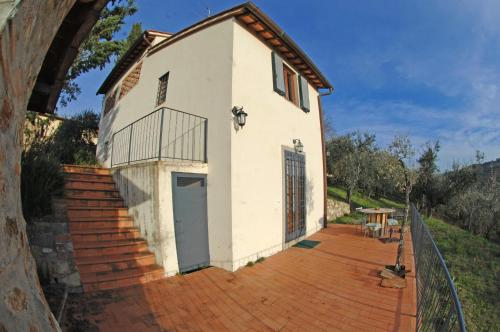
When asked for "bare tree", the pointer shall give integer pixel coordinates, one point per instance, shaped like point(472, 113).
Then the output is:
point(402, 149)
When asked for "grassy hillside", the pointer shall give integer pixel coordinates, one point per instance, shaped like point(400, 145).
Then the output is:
point(473, 261)
point(361, 200)
point(358, 200)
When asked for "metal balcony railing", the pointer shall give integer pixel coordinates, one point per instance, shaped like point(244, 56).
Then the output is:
point(163, 134)
point(438, 305)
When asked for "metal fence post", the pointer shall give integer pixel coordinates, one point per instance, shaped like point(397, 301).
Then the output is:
point(130, 142)
point(112, 147)
point(161, 134)
point(205, 140)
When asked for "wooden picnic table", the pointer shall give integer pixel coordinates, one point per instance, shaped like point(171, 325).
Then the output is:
point(377, 215)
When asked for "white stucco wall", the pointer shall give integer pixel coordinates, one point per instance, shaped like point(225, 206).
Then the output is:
point(257, 153)
point(210, 72)
point(146, 188)
point(200, 67)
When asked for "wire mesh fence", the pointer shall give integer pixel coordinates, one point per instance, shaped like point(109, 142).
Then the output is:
point(163, 134)
point(438, 305)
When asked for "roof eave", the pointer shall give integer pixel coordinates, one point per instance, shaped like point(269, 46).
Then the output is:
point(240, 10)
point(146, 37)
point(281, 33)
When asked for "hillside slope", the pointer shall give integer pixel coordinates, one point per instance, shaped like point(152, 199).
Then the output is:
point(474, 264)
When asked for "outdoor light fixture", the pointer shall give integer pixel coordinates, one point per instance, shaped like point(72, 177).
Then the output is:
point(297, 144)
point(240, 114)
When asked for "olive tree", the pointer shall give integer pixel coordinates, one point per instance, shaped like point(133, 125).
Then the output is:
point(476, 208)
point(347, 156)
point(428, 187)
point(405, 177)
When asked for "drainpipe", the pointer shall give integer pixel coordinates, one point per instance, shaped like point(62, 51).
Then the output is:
point(323, 146)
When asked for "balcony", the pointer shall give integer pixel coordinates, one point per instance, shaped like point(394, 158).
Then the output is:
point(165, 134)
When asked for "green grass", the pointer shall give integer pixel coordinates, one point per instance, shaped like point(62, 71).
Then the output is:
point(474, 263)
point(359, 199)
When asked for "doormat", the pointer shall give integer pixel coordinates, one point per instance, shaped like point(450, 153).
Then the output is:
point(306, 244)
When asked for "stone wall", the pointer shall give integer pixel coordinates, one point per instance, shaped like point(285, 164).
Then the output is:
point(336, 209)
point(52, 248)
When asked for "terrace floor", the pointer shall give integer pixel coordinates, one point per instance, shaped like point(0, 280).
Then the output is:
point(332, 287)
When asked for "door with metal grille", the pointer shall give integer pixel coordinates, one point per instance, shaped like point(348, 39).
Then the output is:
point(295, 207)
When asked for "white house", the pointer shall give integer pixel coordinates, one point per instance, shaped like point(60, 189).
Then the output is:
point(205, 185)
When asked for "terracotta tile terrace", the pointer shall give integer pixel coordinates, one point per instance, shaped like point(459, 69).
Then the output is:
point(332, 287)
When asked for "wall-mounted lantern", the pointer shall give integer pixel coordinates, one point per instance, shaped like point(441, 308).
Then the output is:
point(240, 114)
point(297, 144)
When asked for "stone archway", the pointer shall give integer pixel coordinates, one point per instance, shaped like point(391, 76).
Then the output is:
point(27, 30)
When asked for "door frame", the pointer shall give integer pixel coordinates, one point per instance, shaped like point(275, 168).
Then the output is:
point(174, 176)
point(286, 238)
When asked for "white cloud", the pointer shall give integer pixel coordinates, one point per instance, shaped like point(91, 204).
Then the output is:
point(459, 61)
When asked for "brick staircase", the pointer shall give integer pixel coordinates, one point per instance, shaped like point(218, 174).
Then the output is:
point(108, 249)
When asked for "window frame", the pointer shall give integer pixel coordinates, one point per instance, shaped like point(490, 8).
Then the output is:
point(161, 94)
point(290, 80)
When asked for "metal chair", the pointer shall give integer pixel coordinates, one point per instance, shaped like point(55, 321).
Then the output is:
point(391, 222)
point(360, 222)
point(373, 227)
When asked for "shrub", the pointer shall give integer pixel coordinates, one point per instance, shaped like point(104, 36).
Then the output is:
point(40, 179)
point(74, 140)
point(85, 157)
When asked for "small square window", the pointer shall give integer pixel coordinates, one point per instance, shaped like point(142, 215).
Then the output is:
point(162, 89)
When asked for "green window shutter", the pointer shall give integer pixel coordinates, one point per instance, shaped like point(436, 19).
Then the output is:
point(304, 94)
point(278, 80)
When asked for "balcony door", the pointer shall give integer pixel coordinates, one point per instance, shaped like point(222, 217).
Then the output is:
point(295, 207)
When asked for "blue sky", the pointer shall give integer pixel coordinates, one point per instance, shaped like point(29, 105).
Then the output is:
point(430, 69)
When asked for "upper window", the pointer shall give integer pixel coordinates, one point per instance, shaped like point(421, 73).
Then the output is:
point(287, 84)
point(162, 89)
point(290, 88)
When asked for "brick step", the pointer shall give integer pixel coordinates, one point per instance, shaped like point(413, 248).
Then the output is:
point(104, 234)
point(112, 280)
point(100, 224)
point(91, 194)
point(75, 176)
point(106, 244)
point(105, 218)
point(94, 202)
point(89, 185)
point(101, 248)
point(85, 169)
point(97, 212)
point(108, 250)
point(115, 263)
